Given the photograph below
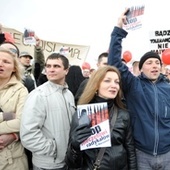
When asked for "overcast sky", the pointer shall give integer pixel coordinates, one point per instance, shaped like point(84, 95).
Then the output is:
point(84, 22)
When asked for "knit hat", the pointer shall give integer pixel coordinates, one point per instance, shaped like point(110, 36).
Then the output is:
point(86, 65)
point(25, 54)
point(147, 55)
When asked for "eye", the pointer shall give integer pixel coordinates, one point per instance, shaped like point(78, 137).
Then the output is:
point(117, 82)
point(47, 66)
point(7, 62)
point(56, 66)
point(107, 81)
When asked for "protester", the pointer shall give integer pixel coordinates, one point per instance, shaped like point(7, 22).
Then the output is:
point(148, 101)
point(47, 116)
point(86, 69)
point(102, 61)
point(12, 98)
point(33, 71)
point(167, 72)
point(5, 36)
point(42, 78)
point(135, 68)
point(74, 78)
point(103, 86)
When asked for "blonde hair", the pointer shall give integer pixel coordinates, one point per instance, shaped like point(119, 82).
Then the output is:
point(94, 83)
point(17, 65)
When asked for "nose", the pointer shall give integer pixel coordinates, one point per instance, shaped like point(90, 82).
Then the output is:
point(1, 63)
point(114, 85)
point(51, 69)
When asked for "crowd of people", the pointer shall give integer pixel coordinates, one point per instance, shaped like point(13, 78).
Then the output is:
point(39, 126)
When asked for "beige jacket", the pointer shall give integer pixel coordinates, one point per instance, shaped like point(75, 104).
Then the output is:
point(12, 99)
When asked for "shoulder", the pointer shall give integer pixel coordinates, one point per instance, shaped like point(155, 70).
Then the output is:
point(124, 114)
point(84, 82)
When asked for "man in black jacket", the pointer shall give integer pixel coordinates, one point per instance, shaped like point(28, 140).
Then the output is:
point(102, 61)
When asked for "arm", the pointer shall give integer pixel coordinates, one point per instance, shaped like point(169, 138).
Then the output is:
point(7, 139)
point(115, 52)
point(73, 158)
point(130, 147)
point(6, 116)
point(115, 49)
point(33, 118)
point(39, 59)
point(78, 134)
point(11, 126)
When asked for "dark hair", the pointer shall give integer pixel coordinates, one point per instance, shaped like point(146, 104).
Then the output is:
point(65, 61)
point(17, 49)
point(105, 54)
point(74, 78)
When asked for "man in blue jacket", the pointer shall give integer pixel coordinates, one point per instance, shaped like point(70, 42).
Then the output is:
point(148, 101)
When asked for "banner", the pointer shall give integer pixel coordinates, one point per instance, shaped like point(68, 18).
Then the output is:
point(159, 40)
point(75, 53)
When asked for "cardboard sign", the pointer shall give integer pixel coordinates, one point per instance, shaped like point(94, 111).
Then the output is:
point(75, 53)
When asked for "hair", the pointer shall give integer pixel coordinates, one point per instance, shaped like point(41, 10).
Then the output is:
point(17, 49)
point(74, 78)
point(94, 83)
point(135, 62)
point(17, 65)
point(123, 60)
point(54, 55)
point(105, 54)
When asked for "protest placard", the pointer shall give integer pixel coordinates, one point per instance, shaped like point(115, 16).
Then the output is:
point(96, 114)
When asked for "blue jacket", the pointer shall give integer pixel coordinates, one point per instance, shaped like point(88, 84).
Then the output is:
point(148, 103)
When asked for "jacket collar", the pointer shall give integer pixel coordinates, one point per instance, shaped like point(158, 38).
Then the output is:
point(161, 77)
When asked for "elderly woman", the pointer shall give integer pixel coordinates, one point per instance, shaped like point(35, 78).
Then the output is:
point(12, 98)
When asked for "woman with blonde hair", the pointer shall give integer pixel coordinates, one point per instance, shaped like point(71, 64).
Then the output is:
point(103, 86)
point(12, 98)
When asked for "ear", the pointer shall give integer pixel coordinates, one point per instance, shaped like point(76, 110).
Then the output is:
point(14, 70)
point(66, 71)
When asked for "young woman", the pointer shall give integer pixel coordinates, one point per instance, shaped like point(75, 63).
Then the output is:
point(12, 98)
point(103, 86)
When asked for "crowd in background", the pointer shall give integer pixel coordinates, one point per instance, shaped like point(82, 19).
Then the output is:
point(39, 127)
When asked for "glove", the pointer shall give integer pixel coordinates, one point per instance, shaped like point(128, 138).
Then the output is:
point(79, 135)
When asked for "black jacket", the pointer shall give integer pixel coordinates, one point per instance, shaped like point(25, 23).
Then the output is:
point(120, 156)
point(80, 89)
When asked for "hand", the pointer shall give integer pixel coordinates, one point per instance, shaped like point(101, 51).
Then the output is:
point(122, 19)
point(37, 41)
point(5, 140)
point(80, 134)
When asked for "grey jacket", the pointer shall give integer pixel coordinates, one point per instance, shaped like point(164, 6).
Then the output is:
point(45, 124)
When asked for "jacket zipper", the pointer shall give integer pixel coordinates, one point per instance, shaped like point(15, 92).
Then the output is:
point(155, 151)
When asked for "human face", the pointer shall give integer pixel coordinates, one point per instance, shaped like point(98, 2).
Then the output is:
point(102, 62)
point(86, 72)
point(6, 66)
point(109, 86)
point(55, 71)
point(151, 68)
point(25, 60)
